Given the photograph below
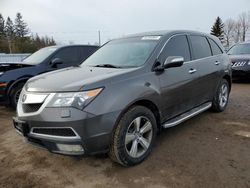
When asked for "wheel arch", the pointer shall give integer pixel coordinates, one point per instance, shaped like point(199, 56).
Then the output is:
point(148, 104)
point(16, 82)
point(229, 80)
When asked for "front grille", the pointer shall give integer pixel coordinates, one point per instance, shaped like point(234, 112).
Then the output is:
point(67, 132)
point(29, 108)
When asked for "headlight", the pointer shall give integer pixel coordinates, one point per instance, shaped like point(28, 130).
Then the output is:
point(248, 62)
point(75, 99)
point(1, 73)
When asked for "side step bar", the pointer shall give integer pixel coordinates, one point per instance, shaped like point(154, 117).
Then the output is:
point(187, 115)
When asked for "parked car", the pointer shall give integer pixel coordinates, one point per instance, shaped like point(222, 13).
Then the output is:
point(14, 75)
point(123, 94)
point(240, 57)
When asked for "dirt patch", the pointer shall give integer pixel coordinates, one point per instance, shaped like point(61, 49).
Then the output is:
point(205, 151)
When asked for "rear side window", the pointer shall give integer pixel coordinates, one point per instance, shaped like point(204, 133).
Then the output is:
point(200, 46)
point(215, 48)
point(68, 55)
point(85, 52)
point(176, 46)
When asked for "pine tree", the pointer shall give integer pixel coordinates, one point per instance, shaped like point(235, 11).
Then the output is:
point(3, 41)
point(1, 26)
point(9, 32)
point(20, 27)
point(9, 28)
point(217, 29)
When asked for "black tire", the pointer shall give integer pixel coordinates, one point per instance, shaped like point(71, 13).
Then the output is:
point(217, 105)
point(119, 150)
point(14, 95)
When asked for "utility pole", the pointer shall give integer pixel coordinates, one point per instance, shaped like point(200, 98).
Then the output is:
point(99, 36)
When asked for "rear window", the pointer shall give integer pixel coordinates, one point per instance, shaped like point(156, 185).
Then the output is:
point(215, 48)
point(200, 46)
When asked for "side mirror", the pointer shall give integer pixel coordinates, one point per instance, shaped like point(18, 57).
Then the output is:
point(173, 61)
point(56, 62)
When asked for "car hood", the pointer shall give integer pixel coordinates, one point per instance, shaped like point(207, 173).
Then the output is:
point(6, 66)
point(74, 79)
point(243, 57)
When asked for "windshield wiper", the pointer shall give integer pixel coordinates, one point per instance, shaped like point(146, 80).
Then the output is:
point(107, 66)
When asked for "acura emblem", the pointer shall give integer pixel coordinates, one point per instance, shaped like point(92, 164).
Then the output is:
point(24, 98)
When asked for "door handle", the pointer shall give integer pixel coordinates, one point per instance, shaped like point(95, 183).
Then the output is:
point(191, 71)
point(217, 63)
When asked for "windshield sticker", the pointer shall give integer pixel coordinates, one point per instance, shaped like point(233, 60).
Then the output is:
point(151, 38)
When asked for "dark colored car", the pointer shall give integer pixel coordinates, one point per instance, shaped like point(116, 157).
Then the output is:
point(240, 57)
point(13, 76)
point(123, 94)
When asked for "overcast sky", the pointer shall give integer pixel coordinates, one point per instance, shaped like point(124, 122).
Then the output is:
point(78, 21)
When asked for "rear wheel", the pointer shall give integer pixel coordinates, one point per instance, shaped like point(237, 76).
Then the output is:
point(15, 94)
point(220, 100)
point(134, 136)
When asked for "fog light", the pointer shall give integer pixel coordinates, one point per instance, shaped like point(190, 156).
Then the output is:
point(70, 148)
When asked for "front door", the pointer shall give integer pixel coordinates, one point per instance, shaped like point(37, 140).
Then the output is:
point(177, 83)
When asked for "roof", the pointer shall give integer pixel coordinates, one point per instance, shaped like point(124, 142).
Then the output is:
point(164, 32)
point(73, 45)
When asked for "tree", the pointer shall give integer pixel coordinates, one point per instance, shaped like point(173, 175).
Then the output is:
point(3, 41)
point(237, 32)
point(228, 31)
point(20, 27)
point(244, 21)
point(9, 32)
point(217, 29)
point(2, 22)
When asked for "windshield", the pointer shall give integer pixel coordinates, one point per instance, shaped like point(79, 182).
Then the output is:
point(40, 55)
point(239, 49)
point(123, 53)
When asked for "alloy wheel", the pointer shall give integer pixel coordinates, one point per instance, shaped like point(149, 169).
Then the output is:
point(138, 137)
point(223, 96)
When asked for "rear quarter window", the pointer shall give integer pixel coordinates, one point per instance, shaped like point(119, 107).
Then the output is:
point(215, 48)
point(200, 47)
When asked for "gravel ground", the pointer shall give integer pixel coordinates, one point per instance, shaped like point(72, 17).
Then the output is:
point(210, 150)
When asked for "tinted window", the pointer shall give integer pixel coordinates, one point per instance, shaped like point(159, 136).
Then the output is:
point(68, 55)
point(176, 46)
point(200, 47)
point(215, 48)
point(85, 52)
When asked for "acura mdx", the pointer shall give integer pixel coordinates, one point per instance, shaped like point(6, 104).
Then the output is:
point(124, 94)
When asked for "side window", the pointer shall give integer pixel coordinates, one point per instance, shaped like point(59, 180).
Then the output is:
point(200, 46)
point(85, 52)
point(215, 48)
point(68, 55)
point(176, 46)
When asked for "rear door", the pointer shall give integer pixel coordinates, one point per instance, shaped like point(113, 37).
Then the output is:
point(207, 67)
point(177, 83)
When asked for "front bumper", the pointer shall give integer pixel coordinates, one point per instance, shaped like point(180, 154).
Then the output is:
point(90, 134)
point(3, 97)
point(240, 73)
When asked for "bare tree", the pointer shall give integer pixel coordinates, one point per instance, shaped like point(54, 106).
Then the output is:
point(244, 20)
point(229, 26)
point(237, 31)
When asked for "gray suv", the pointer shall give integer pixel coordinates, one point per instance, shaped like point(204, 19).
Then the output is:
point(126, 92)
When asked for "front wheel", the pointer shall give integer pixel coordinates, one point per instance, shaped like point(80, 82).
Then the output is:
point(221, 97)
point(134, 136)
